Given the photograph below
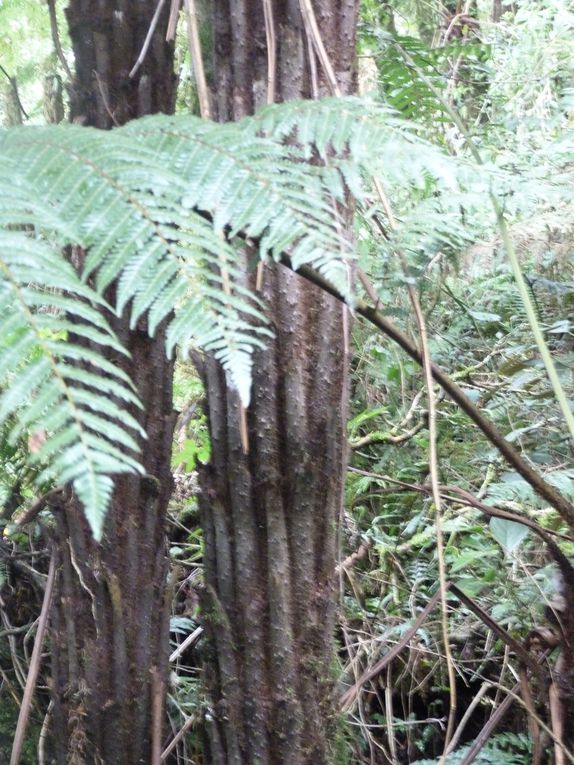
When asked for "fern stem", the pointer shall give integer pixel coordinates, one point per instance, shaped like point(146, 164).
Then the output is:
point(532, 318)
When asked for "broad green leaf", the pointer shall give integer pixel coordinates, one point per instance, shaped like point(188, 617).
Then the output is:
point(508, 534)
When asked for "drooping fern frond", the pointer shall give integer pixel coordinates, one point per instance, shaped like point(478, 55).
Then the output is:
point(358, 144)
point(360, 138)
point(141, 215)
point(166, 209)
point(43, 305)
point(253, 185)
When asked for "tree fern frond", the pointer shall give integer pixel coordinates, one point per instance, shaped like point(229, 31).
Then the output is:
point(165, 209)
point(360, 133)
point(250, 184)
point(126, 210)
point(142, 213)
point(43, 389)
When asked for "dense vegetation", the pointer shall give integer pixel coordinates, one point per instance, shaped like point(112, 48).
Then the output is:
point(464, 245)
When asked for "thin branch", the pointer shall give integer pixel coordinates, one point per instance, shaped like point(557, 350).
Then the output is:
point(189, 640)
point(56, 39)
point(493, 625)
point(271, 50)
point(148, 39)
point(312, 29)
point(557, 720)
point(533, 726)
point(349, 696)
point(34, 668)
point(467, 715)
point(173, 19)
point(12, 82)
point(366, 282)
point(104, 96)
point(512, 695)
point(312, 58)
point(434, 474)
point(33, 511)
point(271, 78)
point(197, 59)
point(44, 734)
point(177, 738)
point(5, 73)
point(158, 692)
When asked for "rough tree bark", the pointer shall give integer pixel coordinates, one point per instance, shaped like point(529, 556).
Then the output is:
point(109, 626)
point(270, 516)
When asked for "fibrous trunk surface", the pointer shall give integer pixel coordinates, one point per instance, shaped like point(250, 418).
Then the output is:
point(110, 620)
point(270, 514)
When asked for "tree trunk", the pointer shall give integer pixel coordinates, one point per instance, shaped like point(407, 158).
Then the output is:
point(10, 107)
point(110, 620)
point(270, 516)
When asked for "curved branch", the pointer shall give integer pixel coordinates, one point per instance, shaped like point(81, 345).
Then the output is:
point(544, 489)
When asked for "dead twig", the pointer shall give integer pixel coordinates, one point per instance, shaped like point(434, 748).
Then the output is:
point(56, 39)
point(434, 470)
point(148, 39)
point(197, 59)
point(349, 696)
point(34, 668)
point(177, 738)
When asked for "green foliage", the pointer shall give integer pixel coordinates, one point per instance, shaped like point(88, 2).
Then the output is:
point(501, 749)
point(164, 208)
point(194, 450)
point(508, 533)
point(26, 49)
point(43, 303)
point(517, 113)
point(407, 65)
